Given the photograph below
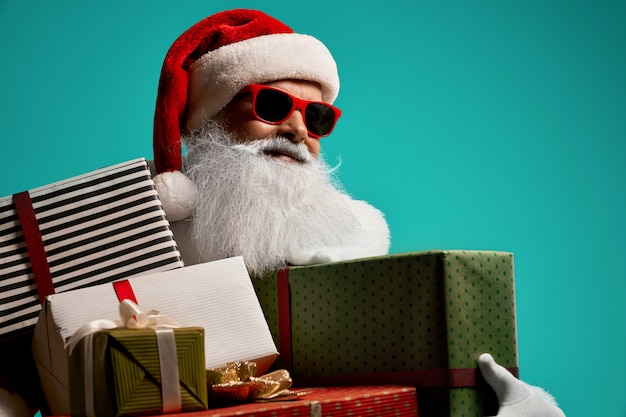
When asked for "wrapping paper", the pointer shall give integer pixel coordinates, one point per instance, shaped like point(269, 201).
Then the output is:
point(87, 230)
point(418, 319)
point(127, 376)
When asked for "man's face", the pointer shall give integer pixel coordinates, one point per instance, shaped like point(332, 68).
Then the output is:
point(240, 121)
point(256, 205)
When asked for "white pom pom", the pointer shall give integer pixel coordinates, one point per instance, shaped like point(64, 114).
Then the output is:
point(177, 193)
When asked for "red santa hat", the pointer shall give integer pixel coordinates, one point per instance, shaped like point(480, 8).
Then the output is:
point(207, 66)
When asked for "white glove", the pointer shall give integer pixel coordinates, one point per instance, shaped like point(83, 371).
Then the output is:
point(371, 239)
point(322, 255)
point(516, 398)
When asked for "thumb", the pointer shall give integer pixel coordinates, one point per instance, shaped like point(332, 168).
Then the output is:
point(516, 398)
point(509, 389)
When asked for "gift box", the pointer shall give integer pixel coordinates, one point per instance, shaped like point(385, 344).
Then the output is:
point(217, 296)
point(418, 319)
point(124, 372)
point(87, 230)
point(329, 402)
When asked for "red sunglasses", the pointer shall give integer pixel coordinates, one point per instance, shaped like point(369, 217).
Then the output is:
point(274, 106)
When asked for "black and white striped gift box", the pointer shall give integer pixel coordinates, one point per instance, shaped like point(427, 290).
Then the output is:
point(94, 228)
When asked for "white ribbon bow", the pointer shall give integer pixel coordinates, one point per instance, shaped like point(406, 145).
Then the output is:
point(132, 317)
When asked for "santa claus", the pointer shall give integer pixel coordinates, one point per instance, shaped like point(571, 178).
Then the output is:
point(243, 106)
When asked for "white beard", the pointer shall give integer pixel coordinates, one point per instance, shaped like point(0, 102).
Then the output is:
point(260, 207)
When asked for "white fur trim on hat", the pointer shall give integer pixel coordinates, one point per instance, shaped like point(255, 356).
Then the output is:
point(177, 194)
point(217, 76)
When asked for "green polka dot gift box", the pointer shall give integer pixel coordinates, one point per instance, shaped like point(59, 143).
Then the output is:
point(418, 319)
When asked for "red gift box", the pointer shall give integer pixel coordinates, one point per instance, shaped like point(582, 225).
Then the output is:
point(328, 402)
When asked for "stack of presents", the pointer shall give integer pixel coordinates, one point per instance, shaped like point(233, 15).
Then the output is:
point(392, 335)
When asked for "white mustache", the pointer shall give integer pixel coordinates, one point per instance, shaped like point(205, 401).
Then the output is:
point(298, 151)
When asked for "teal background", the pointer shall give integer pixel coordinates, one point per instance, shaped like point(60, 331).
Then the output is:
point(471, 124)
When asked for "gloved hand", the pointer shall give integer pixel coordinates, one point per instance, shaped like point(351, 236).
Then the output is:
point(370, 238)
point(516, 398)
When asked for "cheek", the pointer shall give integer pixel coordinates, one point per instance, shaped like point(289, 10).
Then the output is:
point(240, 122)
point(252, 130)
point(313, 145)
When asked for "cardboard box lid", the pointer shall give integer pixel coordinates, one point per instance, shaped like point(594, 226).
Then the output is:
point(217, 296)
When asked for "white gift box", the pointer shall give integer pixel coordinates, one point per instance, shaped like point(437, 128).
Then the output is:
point(93, 228)
point(218, 296)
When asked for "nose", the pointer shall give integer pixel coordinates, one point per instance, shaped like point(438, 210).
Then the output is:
point(294, 128)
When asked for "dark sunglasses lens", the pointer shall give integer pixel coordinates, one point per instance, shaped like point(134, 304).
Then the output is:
point(272, 106)
point(320, 119)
